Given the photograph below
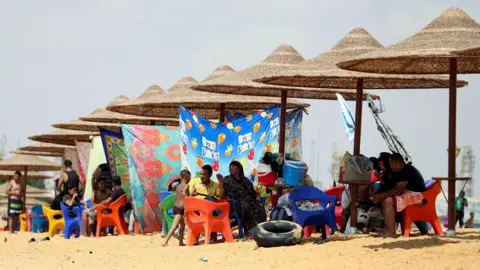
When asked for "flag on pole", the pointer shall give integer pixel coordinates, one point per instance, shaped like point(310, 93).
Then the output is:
point(348, 120)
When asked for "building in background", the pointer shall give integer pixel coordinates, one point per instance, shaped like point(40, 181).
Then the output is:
point(467, 159)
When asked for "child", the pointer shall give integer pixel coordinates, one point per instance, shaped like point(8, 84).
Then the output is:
point(181, 192)
point(15, 204)
point(72, 198)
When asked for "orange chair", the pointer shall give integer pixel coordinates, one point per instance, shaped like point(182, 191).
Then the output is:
point(199, 219)
point(112, 215)
point(427, 212)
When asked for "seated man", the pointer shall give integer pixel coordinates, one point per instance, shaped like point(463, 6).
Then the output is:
point(407, 191)
point(89, 215)
point(117, 191)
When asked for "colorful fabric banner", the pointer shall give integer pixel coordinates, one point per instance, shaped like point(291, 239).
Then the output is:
point(83, 153)
point(154, 161)
point(116, 155)
point(96, 158)
point(217, 144)
point(293, 134)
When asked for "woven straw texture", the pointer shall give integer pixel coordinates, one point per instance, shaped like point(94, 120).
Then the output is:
point(205, 104)
point(33, 153)
point(46, 147)
point(64, 136)
point(470, 52)
point(33, 163)
point(87, 125)
point(30, 176)
point(106, 116)
point(428, 51)
point(322, 71)
point(283, 58)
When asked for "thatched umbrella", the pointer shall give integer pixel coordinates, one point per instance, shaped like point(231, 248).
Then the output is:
point(321, 71)
point(241, 83)
point(31, 153)
point(103, 115)
point(430, 52)
point(25, 163)
point(31, 176)
point(87, 125)
point(206, 104)
point(46, 147)
point(64, 136)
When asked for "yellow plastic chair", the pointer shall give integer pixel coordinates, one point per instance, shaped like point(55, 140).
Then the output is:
point(23, 222)
point(54, 224)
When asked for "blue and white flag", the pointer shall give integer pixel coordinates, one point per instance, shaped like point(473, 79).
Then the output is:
point(348, 120)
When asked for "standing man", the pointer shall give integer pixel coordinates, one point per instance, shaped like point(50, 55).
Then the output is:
point(15, 204)
point(69, 177)
point(460, 203)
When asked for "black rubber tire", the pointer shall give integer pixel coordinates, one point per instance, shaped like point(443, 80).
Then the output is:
point(277, 233)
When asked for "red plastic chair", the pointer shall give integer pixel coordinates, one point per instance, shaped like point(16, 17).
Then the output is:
point(427, 212)
point(199, 219)
point(337, 192)
point(112, 215)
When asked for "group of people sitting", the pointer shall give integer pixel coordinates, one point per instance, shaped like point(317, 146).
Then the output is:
point(400, 185)
point(106, 190)
point(232, 187)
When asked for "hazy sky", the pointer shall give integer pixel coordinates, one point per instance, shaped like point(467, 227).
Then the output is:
point(60, 60)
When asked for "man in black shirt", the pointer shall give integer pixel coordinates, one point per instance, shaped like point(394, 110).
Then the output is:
point(69, 177)
point(407, 178)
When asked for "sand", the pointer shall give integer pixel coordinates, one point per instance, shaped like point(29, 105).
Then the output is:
point(145, 252)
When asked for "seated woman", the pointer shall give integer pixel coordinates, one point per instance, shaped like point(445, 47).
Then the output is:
point(89, 215)
point(72, 198)
point(239, 188)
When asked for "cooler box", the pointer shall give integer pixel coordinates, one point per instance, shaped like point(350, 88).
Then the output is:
point(294, 172)
point(265, 174)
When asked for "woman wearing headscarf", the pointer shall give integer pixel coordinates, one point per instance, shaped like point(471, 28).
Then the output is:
point(239, 188)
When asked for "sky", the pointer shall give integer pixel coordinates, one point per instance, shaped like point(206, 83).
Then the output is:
point(60, 60)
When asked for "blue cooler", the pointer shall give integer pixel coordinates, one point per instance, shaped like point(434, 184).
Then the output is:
point(294, 172)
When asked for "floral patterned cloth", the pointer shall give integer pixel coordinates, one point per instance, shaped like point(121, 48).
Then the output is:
point(154, 161)
point(83, 153)
point(116, 154)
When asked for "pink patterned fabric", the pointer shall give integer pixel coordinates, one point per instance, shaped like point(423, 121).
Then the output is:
point(83, 153)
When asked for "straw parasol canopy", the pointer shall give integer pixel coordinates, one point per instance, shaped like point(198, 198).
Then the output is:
point(103, 115)
point(46, 147)
point(470, 52)
point(64, 136)
point(206, 104)
point(428, 51)
point(284, 57)
point(87, 126)
point(20, 162)
point(432, 51)
point(322, 70)
point(31, 176)
point(45, 154)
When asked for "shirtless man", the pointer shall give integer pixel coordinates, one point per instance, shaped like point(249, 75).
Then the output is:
point(89, 215)
point(15, 204)
point(182, 191)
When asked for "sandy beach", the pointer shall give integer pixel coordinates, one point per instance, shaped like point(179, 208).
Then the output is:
point(145, 252)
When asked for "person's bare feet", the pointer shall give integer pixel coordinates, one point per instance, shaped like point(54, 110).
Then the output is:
point(164, 244)
point(181, 244)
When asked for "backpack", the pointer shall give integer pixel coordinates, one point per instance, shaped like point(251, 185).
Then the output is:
point(281, 213)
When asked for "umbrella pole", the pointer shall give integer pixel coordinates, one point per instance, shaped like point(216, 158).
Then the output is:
point(452, 126)
point(25, 189)
point(356, 151)
point(283, 120)
point(222, 112)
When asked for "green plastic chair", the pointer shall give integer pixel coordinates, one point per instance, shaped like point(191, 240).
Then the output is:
point(167, 219)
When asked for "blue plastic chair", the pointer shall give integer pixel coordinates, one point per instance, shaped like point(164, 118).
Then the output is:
point(238, 219)
point(73, 220)
point(39, 221)
point(325, 216)
point(161, 196)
